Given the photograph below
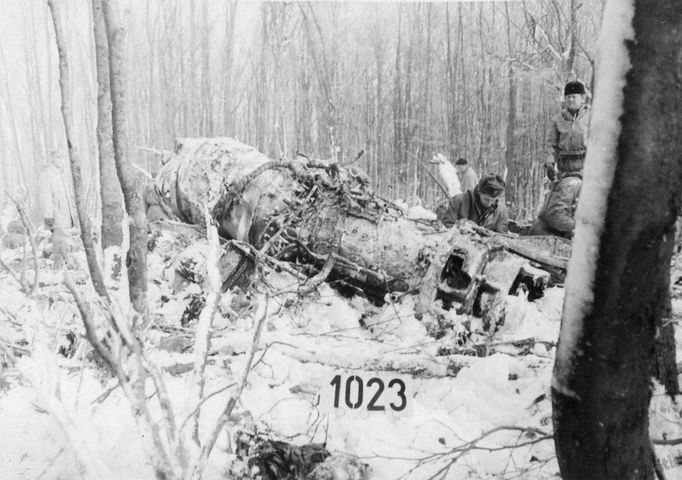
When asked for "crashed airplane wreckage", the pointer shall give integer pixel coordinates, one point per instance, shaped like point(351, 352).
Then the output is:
point(326, 221)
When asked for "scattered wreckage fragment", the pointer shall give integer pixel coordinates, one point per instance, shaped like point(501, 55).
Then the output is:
point(322, 218)
point(475, 268)
point(257, 451)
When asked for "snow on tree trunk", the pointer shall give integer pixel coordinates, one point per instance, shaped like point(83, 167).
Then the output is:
point(617, 289)
point(86, 230)
point(132, 194)
point(112, 197)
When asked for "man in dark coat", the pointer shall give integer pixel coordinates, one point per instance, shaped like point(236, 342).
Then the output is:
point(483, 206)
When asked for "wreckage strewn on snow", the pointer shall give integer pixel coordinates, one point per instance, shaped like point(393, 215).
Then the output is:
point(327, 221)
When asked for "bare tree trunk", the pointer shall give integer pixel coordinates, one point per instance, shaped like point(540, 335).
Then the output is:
point(399, 112)
point(112, 197)
point(262, 88)
point(83, 219)
point(36, 104)
point(22, 179)
point(511, 192)
point(229, 102)
point(206, 96)
point(185, 96)
point(608, 349)
point(572, 27)
point(379, 165)
point(464, 125)
point(132, 194)
point(421, 187)
point(451, 71)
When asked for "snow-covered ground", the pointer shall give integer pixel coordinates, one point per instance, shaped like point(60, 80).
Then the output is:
point(463, 413)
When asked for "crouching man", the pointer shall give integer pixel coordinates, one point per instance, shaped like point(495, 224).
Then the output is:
point(483, 206)
point(557, 214)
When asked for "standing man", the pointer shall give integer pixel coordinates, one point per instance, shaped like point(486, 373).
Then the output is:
point(566, 148)
point(484, 205)
point(467, 177)
point(568, 132)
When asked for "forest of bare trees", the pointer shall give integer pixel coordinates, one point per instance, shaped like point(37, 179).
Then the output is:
point(396, 81)
point(95, 93)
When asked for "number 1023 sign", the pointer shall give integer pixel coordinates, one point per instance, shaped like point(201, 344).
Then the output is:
point(367, 393)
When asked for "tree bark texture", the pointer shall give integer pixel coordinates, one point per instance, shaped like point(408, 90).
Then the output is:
point(86, 231)
point(614, 343)
point(136, 260)
point(112, 197)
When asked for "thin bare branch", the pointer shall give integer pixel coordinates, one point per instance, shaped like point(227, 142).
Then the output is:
point(204, 331)
point(201, 402)
point(31, 237)
point(89, 324)
point(225, 416)
point(14, 275)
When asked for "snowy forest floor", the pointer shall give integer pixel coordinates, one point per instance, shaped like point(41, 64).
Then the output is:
point(478, 405)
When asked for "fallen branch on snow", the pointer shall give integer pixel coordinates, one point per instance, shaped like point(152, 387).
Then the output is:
point(409, 364)
point(454, 454)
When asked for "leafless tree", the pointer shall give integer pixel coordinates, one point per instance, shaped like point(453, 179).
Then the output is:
point(112, 197)
point(85, 224)
point(616, 332)
point(298, 77)
point(130, 182)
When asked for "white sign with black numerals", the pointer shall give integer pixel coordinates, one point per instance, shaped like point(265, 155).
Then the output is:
point(366, 393)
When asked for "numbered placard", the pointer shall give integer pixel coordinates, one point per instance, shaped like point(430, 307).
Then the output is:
point(367, 393)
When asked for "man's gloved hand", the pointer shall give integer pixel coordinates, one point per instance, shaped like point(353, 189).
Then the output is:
point(550, 171)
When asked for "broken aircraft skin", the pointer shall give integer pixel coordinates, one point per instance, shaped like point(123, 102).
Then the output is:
point(324, 217)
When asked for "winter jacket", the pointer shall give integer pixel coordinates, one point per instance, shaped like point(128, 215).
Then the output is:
point(556, 215)
point(467, 206)
point(468, 179)
point(566, 139)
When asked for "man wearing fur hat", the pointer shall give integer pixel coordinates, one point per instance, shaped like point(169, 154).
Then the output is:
point(483, 206)
point(568, 132)
point(566, 153)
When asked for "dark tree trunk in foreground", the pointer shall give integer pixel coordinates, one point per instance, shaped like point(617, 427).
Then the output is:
point(112, 208)
point(132, 191)
point(608, 350)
